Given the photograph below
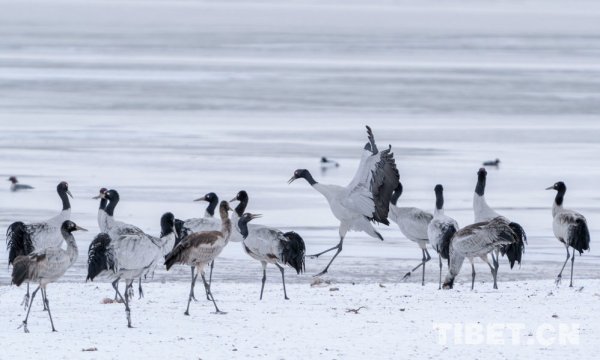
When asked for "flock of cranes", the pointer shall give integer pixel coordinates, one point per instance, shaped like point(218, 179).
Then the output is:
point(123, 251)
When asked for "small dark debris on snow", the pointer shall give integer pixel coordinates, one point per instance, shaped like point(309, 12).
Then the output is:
point(355, 311)
point(555, 316)
point(381, 285)
point(402, 309)
point(90, 349)
point(334, 289)
point(110, 301)
point(580, 289)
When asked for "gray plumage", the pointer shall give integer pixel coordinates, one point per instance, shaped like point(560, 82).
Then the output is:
point(130, 256)
point(199, 249)
point(477, 240)
point(46, 266)
point(441, 229)
point(271, 246)
point(569, 227)
point(413, 223)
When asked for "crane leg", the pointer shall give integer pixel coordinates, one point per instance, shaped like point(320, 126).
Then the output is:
point(339, 250)
point(25, 301)
point(494, 267)
point(572, 265)
point(217, 311)
point(559, 277)
point(472, 275)
point(45, 299)
point(440, 258)
point(212, 265)
point(324, 252)
point(28, 310)
point(283, 279)
point(264, 278)
point(426, 258)
point(115, 285)
point(187, 311)
point(140, 291)
point(194, 281)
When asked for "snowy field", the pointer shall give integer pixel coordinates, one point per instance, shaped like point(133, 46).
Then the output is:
point(166, 101)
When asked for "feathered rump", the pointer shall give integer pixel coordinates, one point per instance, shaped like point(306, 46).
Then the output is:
point(20, 271)
point(175, 256)
point(514, 251)
point(101, 256)
point(447, 235)
point(293, 251)
point(579, 236)
point(18, 241)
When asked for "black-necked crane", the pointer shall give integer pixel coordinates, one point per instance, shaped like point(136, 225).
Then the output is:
point(15, 186)
point(413, 224)
point(115, 229)
point(441, 229)
point(271, 246)
point(199, 249)
point(477, 240)
point(22, 239)
point(569, 227)
point(46, 266)
point(129, 256)
point(483, 212)
point(365, 199)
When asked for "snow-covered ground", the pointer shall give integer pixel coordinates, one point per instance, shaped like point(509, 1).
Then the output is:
point(168, 100)
point(528, 319)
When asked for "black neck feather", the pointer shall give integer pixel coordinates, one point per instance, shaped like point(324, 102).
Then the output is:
point(241, 207)
point(439, 200)
point(480, 188)
point(110, 209)
point(243, 226)
point(66, 205)
point(103, 202)
point(210, 209)
point(560, 195)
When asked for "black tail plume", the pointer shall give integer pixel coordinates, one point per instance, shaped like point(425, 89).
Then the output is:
point(514, 252)
point(293, 251)
point(18, 241)
point(182, 231)
point(20, 271)
point(175, 256)
point(579, 236)
point(100, 256)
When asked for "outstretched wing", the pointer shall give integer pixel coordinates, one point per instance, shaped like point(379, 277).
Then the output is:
point(371, 188)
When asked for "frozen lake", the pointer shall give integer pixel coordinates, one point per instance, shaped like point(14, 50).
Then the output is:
point(167, 101)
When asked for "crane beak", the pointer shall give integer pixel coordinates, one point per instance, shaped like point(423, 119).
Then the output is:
point(234, 199)
point(77, 227)
point(255, 216)
point(98, 196)
point(550, 188)
point(292, 179)
point(200, 199)
point(71, 195)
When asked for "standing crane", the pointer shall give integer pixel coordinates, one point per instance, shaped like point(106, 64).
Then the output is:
point(46, 266)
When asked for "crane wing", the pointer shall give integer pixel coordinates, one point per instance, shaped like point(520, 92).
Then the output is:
point(371, 188)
